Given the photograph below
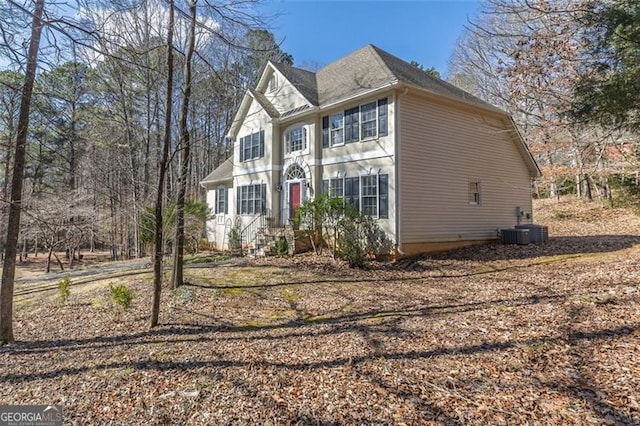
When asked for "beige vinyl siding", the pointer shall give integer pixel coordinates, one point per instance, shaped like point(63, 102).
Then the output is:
point(441, 150)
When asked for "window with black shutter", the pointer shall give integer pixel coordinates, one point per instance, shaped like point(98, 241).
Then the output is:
point(362, 122)
point(383, 201)
point(252, 199)
point(351, 125)
point(382, 117)
point(252, 146)
point(352, 192)
point(221, 200)
point(325, 132)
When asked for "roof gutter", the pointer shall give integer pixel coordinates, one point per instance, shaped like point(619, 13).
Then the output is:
point(488, 108)
point(315, 109)
point(390, 85)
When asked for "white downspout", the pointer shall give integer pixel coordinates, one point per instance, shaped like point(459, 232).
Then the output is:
point(396, 140)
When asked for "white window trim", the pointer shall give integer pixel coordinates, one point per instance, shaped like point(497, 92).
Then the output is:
point(376, 120)
point(361, 122)
point(272, 84)
point(259, 184)
point(331, 130)
point(344, 176)
point(226, 201)
point(241, 148)
point(360, 193)
point(306, 133)
point(478, 184)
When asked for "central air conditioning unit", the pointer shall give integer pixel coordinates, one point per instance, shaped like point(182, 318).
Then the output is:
point(537, 233)
point(515, 236)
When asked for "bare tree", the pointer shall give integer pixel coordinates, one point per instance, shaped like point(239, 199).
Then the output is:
point(13, 227)
point(185, 157)
point(158, 241)
point(525, 57)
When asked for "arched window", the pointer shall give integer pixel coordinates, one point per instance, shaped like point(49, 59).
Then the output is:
point(295, 139)
point(273, 83)
point(294, 172)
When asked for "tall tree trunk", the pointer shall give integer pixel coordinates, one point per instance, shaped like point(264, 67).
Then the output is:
point(158, 252)
point(185, 143)
point(49, 259)
point(13, 223)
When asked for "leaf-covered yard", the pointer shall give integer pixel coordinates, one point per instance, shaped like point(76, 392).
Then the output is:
point(544, 334)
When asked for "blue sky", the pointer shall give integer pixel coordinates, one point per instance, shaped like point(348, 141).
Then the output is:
point(319, 32)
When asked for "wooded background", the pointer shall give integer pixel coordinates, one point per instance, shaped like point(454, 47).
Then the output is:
point(98, 113)
point(566, 70)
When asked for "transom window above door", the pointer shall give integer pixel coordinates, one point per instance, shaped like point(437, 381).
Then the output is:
point(295, 172)
point(295, 139)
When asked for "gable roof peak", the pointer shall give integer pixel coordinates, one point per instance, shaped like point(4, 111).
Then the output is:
point(366, 69)
point(304, 81)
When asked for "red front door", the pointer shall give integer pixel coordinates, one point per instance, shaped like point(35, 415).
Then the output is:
point(294, 199)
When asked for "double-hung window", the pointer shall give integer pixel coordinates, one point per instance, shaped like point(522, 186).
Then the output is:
point(221, 200)
point(352, 192)
point(351, 126)
point(252, 146)
point(369, 194)
point(474, 192)
point(369, 123)
point(336, 188)
point(366, 121)
point(296, 139)
point(337, 129)
point(251, 199)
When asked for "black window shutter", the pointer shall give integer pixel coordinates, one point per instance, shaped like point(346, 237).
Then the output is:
point(352, 191)
point(356, 192)
point(261, 143)
point(226, 200)
point(382, 117)
point(347, 190)
point(241, 149)
point(325, 132)
point(351, 125)
point(238, 200)
point(383, 191)
point(263, 197)
point(325, 187)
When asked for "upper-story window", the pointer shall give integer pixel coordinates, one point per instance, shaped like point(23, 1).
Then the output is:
point(273, 83)
point(363, 122)
point(252, 146)
point(369, 126)
point(295, 139)
point(336, 122)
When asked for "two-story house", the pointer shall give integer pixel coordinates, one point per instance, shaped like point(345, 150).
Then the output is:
point(438, 167)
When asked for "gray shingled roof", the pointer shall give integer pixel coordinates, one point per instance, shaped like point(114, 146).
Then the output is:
point(360, 71)
point(410, 74)
point(367, 69)
point(222, 173)
point(303, 80)
point(264, 103)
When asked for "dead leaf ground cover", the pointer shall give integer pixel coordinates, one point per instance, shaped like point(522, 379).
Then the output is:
point(498, 334)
